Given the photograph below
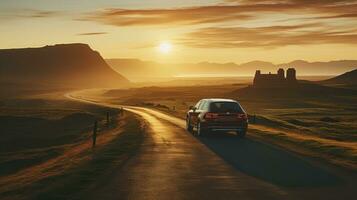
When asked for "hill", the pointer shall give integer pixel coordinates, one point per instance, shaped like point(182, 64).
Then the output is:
point(348, 78)
point(138, 70)
point(303, 90)
point(322, 68)
point(65, 65)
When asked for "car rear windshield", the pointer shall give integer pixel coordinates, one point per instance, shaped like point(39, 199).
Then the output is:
point(223, 107)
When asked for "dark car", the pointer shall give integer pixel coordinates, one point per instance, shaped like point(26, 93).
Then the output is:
point(217, 115)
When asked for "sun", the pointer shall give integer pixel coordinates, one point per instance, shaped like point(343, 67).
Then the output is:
point(165, 47)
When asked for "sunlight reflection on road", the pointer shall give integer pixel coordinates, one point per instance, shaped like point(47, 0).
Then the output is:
point(174, 120)
point(160, 132)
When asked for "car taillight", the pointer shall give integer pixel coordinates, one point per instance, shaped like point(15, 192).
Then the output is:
point(243, 116)
point(211, 116)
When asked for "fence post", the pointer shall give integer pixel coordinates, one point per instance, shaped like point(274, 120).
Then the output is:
point(174, 108)
point(108, 119)
point(94, 137)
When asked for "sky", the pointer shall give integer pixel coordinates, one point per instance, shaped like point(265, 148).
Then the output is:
point(196, 30)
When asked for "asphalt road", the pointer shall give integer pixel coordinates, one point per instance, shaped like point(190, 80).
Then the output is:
point(173, 164)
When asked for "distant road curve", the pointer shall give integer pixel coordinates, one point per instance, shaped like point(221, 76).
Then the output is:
point(177, 121)
point(172, 164)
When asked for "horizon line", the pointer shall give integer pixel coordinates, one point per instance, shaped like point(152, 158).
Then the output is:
point(231, 62)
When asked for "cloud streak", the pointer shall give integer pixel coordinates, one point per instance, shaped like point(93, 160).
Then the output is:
point(28, 14)
point(266, 37)
point(179, 16)
point(240, 10)
point(92, 33)
point(41, 14)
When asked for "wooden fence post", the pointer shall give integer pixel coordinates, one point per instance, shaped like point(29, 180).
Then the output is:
point(94, 137)
point(108, 119)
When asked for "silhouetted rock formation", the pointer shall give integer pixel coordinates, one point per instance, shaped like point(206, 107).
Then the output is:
point(275, 80)
point(70, 65)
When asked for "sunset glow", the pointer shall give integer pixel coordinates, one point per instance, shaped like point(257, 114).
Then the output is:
point(178, 99)
point(221, 31)
point(165, 47)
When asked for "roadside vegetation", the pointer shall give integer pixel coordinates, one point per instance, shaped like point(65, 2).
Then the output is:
point(35, 130)
point(99, 165)
point(47, 144)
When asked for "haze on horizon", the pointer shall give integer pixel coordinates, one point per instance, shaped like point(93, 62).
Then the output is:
point(238, 31)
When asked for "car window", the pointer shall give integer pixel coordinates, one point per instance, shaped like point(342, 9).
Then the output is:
point(198, 104)
point(202, 105)
point(205, 106)
point(223, 107)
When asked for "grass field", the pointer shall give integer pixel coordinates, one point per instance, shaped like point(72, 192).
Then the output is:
point(49, 140)
point(34, 130)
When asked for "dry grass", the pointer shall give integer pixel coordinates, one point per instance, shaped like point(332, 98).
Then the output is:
point(73, 158)
point(337, 152)
point(45, 138)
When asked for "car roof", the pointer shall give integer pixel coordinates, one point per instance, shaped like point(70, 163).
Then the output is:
point(220, 100)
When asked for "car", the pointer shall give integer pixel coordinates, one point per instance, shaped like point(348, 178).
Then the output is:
point(217, 115)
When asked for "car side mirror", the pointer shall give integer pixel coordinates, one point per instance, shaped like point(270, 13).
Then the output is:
point(193, 108)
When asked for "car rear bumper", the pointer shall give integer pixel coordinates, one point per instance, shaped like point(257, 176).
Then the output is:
point(225, 128)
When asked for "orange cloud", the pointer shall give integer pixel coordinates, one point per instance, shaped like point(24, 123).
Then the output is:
point(271, 36)
point(239, 10)
point(183, 16)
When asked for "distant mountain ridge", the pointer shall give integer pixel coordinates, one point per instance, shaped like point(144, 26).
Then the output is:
point(323, 68)
point(73, 65)
point(136, 69)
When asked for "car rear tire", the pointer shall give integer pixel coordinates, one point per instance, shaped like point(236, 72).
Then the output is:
point(241, 134)
point(188, 125)
point(200, 131)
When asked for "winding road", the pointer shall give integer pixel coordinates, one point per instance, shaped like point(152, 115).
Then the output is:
point(173, 164)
